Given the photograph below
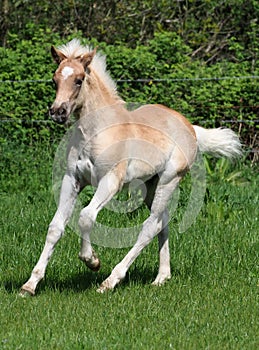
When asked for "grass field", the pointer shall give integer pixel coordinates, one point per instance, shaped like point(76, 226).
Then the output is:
point(211, 302)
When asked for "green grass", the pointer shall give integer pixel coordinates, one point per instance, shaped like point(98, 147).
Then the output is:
point(211, 302)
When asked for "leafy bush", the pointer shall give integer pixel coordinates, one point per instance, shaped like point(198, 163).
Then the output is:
point(213, 30)
point(170, 76)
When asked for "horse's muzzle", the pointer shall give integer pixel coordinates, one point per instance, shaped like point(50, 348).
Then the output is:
point(60, 114)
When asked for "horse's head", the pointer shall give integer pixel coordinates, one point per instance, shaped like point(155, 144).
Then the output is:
point(68, 79)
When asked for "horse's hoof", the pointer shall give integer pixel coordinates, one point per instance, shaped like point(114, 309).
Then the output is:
point(24, 293)
point(102, 289)
point(160, 280)
point(95, 267)
point(93, 264)
point(106, 286)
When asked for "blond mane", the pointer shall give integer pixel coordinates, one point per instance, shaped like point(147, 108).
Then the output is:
point(74, 49)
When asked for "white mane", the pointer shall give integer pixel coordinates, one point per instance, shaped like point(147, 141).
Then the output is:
point(74, 49)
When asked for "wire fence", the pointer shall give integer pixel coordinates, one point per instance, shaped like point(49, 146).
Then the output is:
point(150, 81)
point(141, 80)
point(7, 117)
point(205, 121)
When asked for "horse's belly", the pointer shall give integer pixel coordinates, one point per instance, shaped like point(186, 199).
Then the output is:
point(142, 170)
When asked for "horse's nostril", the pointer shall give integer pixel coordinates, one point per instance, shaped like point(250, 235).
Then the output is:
point(61, 111)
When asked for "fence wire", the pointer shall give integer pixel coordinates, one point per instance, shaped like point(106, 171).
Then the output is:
point(4, 118)
point(141, 80)
point(8, 119)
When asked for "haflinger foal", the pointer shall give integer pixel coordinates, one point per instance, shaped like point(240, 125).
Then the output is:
point(109, 148)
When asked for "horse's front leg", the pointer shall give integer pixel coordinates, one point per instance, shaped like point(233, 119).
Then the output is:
point(69, 191)
point(108, 186)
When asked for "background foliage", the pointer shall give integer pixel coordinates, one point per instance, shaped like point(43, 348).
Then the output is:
point(189, 45)
point(209, 27)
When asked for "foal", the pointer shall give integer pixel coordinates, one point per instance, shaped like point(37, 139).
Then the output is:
point(111, 147)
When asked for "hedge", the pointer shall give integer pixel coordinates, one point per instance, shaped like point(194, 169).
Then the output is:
point(171, 77)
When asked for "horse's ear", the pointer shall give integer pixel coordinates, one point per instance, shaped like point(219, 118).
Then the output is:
point(87, 58)
point(57, 55)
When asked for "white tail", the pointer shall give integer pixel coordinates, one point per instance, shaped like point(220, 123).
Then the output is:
point(218, 142)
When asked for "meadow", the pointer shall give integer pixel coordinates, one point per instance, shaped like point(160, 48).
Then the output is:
point(211, 302)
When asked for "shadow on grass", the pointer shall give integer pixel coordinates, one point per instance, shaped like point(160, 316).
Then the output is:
point(76, 283)
point(80, 282)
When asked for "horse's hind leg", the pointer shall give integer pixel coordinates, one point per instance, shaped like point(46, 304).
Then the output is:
point(68, 194)
point(151, 227)
point(164, 272)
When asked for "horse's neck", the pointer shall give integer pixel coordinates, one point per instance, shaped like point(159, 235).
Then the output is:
point(98, 96)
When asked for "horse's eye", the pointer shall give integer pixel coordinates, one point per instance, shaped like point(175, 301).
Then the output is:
point(79, 82)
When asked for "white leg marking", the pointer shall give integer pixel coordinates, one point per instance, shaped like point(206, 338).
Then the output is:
point(107, 188)
point(68, 194)
point(164, 272)
point(151, 227)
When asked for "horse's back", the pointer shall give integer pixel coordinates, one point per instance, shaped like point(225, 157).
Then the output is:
point(165, 127)
point(157, 115)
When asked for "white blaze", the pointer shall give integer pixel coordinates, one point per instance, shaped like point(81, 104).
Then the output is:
point(66, 72)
